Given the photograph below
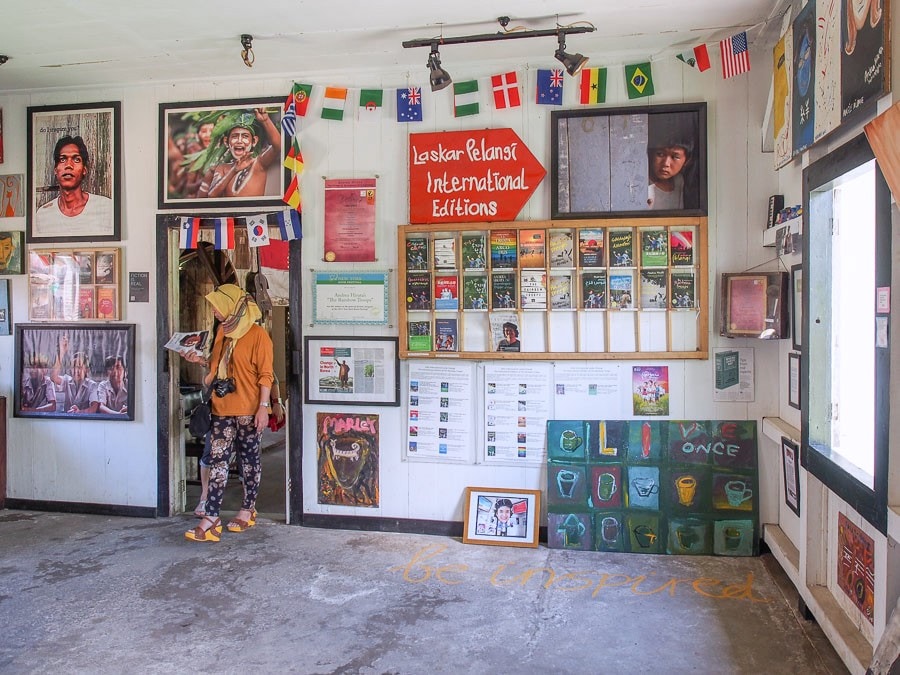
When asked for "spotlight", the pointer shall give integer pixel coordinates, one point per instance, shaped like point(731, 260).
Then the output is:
point(440, 78)
point(3, 59)
point(247, 51)
point(573, 63)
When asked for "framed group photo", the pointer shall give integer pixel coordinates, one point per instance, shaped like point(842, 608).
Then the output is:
point(216, 154)
point(501, 517)
point(352, 371)
point(74, 172)
point(619, 162)
point(74, 372)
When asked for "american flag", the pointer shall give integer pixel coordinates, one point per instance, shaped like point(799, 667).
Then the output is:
point(735, 56)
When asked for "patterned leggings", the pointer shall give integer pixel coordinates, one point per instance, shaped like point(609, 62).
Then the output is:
point(238, 434)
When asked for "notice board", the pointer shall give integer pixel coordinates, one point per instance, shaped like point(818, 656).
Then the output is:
point(662, 486)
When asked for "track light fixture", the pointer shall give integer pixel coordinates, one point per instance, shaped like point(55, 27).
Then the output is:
point(571, 62)
point(3, 59)
point(440, 78)
point(247, 51)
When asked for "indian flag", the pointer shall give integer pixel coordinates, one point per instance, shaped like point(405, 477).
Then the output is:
point(593, 86)
point(465, 98)
point(333, 107)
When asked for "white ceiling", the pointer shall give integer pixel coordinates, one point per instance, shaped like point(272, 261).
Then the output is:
point(72, 43)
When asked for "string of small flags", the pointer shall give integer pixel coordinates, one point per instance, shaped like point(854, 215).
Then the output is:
point(506, 91)
point(288, 222)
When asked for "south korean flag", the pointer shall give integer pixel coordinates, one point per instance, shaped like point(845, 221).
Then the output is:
point(257, 231)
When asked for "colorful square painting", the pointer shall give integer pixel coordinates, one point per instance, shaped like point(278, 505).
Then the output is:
point(348, 459)
point(11, 252)
point(12, 198)
point(856, 566)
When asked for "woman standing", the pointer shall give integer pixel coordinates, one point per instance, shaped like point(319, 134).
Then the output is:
point(241, 376)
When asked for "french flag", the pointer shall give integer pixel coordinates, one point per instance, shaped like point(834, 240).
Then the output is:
point(224, 228)
point(190, 233)
point(289, 224)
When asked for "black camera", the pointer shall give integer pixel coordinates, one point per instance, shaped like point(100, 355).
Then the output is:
point(223, 387)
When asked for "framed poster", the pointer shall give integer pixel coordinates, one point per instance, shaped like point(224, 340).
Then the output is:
point(794, 380)
point(352, 371)
point(349, 220)
point(350, 297)
point(754, 305)
point(75, 372)
point(790, 459)
point(602, 159)
point(74, 169)
point(221, 154)
point(74, 284)
point(501, 517)
point(797, 306)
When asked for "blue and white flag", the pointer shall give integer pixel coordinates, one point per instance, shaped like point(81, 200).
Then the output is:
point(409, 104)
point(289, 224)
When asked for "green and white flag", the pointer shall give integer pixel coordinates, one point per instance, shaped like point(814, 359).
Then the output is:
point(465, 98)
point(370, 104)
point(333, 107)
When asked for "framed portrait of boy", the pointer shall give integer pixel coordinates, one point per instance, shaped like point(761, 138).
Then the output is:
point(620, 162)
point(501, 517)
point(222, 154)
point(74, 172)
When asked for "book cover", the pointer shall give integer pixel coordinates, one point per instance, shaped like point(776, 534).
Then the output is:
point(418, 290)
point(621, 290)
point(189, 343)
point(593, 290)
point(474, 291)
point(473, 252)
point(86, 303)
point(621, 248)
point(503, 249)
point(561, 247)
point(560, 289)
point(531, 248)
point(444, 253)
point(445, 336)
point(503, 291)
point(419, 333)
point(505, 332)
point(650, 390)
point(654, 248)
point(653, 289)
point(590, 247)
point(417, 253)
point(683, 291)
point(107, 303)
point(681, 247)
point(533, 290)
point(446, 292)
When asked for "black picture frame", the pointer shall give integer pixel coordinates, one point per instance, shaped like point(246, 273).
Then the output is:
point(184, 167)
point(39, 347)
point(374, 358)
point(99, 126)
point(790, 461)
point(797, 307)
point(795, 380)
point(587, 144)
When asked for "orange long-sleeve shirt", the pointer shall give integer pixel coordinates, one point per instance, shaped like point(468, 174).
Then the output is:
point(251, 367)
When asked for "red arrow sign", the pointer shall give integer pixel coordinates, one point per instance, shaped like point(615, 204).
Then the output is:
point(470, 176)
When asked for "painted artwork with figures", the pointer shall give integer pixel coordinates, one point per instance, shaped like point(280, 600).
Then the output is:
point(640, 486)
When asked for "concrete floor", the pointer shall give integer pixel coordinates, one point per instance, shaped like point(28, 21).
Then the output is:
point(98, 594)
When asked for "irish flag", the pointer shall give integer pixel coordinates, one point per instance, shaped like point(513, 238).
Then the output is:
point(333, 107)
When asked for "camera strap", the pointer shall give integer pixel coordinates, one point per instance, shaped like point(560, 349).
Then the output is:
point(223, 370)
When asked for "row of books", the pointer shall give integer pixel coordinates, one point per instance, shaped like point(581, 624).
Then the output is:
point(533, 289)
point(538, 249)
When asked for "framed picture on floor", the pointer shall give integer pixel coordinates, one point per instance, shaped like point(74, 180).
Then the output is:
point(501, 517)
point(75, 372)
point(790, 458)
point(225, 153)
point(626, 161)
point(74, 170)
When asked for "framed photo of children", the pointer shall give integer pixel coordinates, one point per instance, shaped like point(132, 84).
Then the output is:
point(501, 517)
point(222, 154)
point(613, 162)
point(76, 284)
point(74, 372)
point(74, 172)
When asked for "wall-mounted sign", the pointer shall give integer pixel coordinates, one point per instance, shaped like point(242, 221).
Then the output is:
point(480, 175)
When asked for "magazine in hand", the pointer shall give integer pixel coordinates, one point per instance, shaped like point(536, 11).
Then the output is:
point(189, 343)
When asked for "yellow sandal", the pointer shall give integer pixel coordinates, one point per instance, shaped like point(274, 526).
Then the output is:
point(239, 525)
point(214, 533)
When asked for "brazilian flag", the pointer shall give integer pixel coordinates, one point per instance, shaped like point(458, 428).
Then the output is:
point(639, 80)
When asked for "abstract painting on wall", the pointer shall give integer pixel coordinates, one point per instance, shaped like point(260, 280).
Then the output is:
point(348, 459)
point(677, 487)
